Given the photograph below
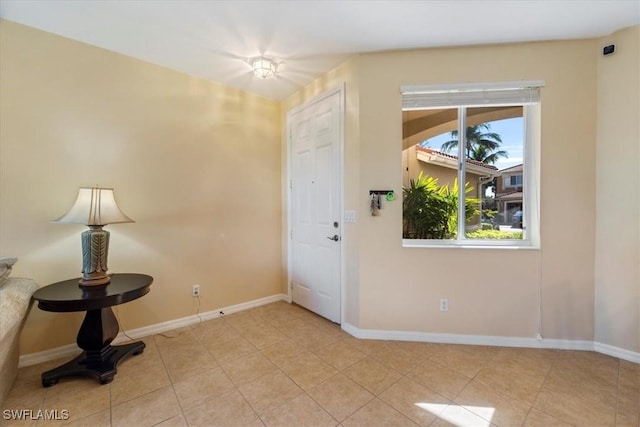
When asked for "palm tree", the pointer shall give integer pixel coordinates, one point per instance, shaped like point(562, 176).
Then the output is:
point(482, 154)
point(481, 144)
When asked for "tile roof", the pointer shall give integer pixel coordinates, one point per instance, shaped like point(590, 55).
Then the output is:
point(514, 195)
point(516, 168)
point(450, 156)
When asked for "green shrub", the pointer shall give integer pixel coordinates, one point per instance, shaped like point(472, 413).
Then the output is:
point(488, 212)
point(425, 210)
point(494, 235)
point(430, 211)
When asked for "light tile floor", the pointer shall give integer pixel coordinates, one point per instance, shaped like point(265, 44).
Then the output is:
point(280, 365)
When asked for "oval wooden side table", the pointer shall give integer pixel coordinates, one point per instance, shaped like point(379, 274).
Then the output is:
point(100, 327)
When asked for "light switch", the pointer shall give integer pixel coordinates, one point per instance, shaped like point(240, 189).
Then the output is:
point(349, 216)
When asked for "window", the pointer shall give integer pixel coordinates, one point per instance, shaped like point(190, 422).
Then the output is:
point(478, 190)
point(515, 181)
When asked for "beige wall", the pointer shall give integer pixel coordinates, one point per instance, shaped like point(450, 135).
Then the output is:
point(495, 294)
point(617, 267)
point(196, 164)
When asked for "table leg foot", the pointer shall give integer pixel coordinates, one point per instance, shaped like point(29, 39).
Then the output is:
point(102, 368)
point(49, 382)
point(106, 379)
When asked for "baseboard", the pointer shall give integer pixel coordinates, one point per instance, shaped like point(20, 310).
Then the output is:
point(607, 349)
point(170, 325)
point(66, 351)
point(72, 349)
point(145, 331)
point(621, 353)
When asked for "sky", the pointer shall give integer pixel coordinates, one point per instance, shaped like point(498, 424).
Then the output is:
point(511, 132)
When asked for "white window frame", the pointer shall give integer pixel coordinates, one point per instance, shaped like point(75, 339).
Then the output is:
point(508, 178)
point(469, 95)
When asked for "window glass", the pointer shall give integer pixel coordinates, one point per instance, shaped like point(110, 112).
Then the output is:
point(429, 198)
point(488, 183)
point(495, 146)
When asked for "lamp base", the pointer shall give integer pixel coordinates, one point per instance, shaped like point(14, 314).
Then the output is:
point(95, 281)
point(95, 248)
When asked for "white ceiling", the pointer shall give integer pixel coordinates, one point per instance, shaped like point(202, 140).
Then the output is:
point(213, 39)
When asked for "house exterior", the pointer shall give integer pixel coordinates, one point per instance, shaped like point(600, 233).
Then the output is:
point(509, 193)
point(443, 166)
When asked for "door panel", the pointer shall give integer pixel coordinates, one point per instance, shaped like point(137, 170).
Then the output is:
point(315, 140)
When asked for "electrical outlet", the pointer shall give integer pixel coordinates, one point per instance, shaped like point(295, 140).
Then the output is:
point(195, 291)
point(444, 304)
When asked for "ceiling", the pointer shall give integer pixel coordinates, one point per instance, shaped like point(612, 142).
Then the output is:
point(213, 40)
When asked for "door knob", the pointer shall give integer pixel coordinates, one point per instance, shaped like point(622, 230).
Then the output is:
point(335, 238)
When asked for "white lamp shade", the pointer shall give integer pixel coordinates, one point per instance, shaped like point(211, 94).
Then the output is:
point(94, 206)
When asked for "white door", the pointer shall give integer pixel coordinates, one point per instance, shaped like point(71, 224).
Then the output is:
point(315, 132)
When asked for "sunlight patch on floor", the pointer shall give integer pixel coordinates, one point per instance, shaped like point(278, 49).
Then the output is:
point(459, 416)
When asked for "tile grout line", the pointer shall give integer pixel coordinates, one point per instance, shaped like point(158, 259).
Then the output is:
point(532, 406)
point(265, 317)
point(406, 377)
point(615, 412)
point(236, 386)
point(164, 365)
point(454, 400)
point(338, 371)
point(110, 406)
point(188, 330)
point(259, 350)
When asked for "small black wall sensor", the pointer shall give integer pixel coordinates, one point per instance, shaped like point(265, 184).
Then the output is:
point(608, 50)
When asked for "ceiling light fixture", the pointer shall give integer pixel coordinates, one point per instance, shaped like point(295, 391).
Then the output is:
point(264, 68)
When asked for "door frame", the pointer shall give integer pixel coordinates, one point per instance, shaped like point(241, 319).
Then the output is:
point(340, 90)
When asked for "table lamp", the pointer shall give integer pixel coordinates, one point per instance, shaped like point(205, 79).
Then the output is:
point(94, 207)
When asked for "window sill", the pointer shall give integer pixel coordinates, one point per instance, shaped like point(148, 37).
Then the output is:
point(468, 244)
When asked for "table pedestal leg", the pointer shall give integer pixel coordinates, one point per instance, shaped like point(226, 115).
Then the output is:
point(99, 359)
